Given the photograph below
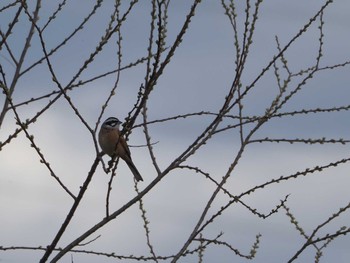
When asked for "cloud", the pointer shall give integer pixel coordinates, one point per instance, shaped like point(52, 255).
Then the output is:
point(197, 79)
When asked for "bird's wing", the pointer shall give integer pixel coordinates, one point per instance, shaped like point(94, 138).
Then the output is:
point(124, 146)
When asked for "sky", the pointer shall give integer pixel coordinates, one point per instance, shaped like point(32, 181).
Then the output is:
point(33, 205)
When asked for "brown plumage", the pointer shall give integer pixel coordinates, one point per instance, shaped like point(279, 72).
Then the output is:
point(115, 145)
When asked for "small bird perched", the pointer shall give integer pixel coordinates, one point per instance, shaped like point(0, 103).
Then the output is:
point(114, 144)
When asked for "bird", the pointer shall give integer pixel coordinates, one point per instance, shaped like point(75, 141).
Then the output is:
point(113, 143)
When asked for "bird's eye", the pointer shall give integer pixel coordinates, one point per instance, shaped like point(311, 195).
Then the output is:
point(111, 122)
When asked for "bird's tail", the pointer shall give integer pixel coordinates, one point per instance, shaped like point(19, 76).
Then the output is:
point(134, 170)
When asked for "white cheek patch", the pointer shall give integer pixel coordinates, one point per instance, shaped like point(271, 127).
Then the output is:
point(112, 124)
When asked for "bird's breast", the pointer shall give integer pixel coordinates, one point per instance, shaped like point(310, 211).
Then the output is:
point(108, 139)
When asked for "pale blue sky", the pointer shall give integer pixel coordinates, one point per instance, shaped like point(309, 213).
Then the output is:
point(34, 206)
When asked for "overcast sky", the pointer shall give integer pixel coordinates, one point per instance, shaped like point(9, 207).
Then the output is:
point(33, 205)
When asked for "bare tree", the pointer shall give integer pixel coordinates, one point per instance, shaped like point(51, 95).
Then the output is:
point(32, 47)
